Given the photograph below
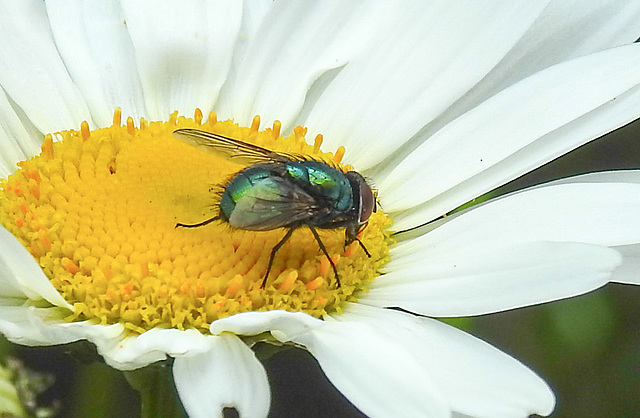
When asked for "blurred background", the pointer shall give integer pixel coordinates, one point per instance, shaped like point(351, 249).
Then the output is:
point(587, 348)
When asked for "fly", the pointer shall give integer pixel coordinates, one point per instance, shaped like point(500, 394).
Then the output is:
point(280, 190)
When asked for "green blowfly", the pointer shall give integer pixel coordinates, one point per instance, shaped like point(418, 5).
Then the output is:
point(278, 190)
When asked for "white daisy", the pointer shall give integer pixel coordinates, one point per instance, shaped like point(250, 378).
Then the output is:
point(438, 103)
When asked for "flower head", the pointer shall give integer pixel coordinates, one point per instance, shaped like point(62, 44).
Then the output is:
point(456, 103)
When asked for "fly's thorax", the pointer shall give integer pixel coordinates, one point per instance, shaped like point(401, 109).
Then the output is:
point(327, 185)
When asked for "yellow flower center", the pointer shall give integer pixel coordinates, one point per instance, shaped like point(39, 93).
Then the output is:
point(98, 210)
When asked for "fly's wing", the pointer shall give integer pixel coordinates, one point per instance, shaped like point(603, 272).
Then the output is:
point(272, 203)
point(230, 148)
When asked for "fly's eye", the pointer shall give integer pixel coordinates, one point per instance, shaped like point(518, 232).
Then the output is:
point(363, 195)
point(367, 202)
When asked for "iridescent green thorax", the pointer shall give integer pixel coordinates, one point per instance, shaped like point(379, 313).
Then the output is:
point(325, 180)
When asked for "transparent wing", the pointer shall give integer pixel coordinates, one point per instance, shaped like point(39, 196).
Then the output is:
point(272, 203)
point(232, 149)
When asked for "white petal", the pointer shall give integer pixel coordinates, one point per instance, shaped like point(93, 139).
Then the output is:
point(253, 17)
point(593, 213)
point(543, 117)
point(23, 324)
point(183, 51)
point(31, 325)
point(31, 71)
point(17, 143)
point(46, 326)
point(490, 278)
point(617, 176)
point(21, 276)
point(379, 376)
point(335, 345)
point(477, 379)
point(629, 271)
point(532, 237)
point(227, 375)
point(297, 44)
point(55, 330)
point(151, 346)
point(282, 324)
point(565, 30)
point(94, 43)
point(406, 78)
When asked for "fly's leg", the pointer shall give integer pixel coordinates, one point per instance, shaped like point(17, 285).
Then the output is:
point(350, 235)
point(273, 255)
point(203, 223)
point(364, 248)
point(326, 253)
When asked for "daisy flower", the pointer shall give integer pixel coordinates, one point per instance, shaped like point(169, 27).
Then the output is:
point(437, 103)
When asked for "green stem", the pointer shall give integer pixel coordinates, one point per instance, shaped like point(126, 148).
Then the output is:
point(157, 391)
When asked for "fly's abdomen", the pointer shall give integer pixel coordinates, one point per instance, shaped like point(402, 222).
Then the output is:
point(241, 186)
point(260, 199)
